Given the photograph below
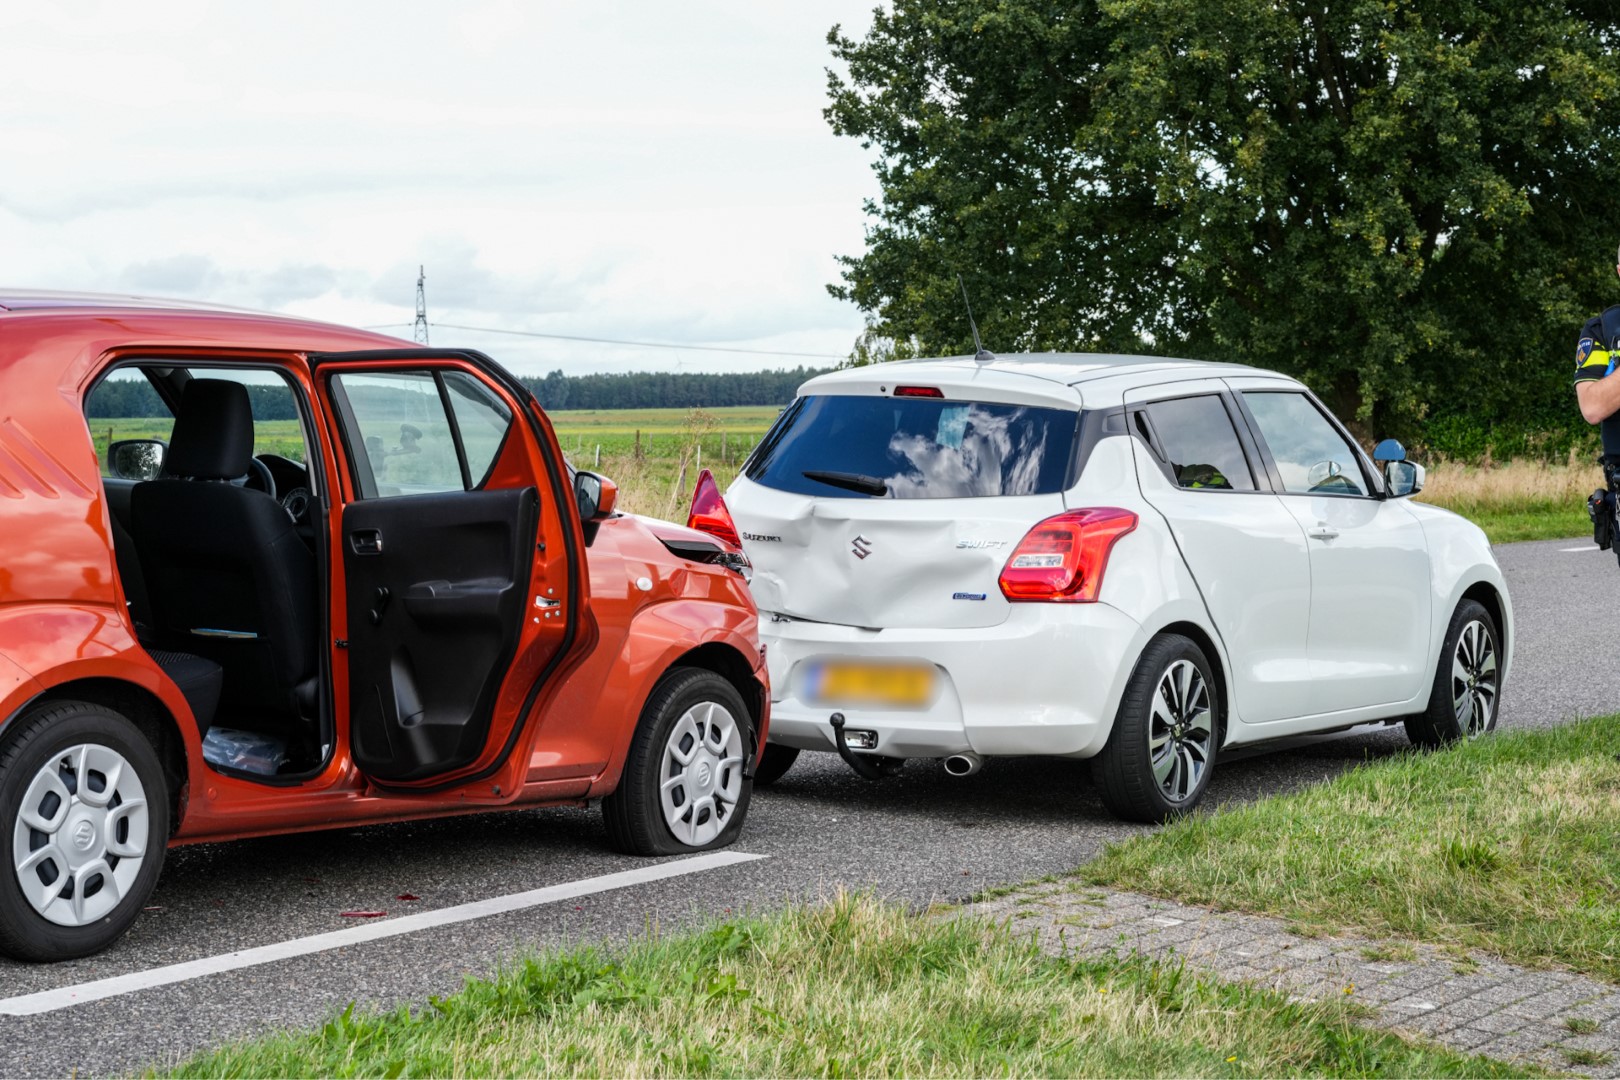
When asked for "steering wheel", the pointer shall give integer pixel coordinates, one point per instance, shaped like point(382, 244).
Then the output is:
point(258, 475)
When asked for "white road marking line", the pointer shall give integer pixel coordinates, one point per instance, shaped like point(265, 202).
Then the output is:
point(63, 997)
point(1584, 547)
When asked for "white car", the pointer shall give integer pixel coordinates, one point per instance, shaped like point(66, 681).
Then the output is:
point(1137, 560)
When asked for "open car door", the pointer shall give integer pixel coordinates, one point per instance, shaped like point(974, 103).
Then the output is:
point(461, 564)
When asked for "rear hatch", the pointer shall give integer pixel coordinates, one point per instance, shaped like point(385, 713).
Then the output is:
point(898, 512)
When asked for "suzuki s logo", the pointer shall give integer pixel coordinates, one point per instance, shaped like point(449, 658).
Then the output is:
point(84, 834)
point(860, 547)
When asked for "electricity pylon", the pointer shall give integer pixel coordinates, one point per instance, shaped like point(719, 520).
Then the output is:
point(420, 331)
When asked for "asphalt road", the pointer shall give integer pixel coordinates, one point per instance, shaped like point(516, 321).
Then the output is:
point(920, 838)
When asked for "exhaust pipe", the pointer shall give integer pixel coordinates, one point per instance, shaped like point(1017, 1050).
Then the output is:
point(963, 764)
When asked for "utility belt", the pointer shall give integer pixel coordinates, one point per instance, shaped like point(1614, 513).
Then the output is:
point(1603, 506)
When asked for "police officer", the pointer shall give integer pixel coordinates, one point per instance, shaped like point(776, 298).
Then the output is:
point(1597, 375)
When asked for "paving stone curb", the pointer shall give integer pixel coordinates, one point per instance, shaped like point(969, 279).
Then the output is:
point(1478, 1004)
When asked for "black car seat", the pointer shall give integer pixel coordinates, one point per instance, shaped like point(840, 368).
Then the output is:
point(227, 577)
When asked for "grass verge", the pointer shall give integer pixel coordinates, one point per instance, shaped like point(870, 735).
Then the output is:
point(851, 988)
point(1517, 500)
point(1510, 844)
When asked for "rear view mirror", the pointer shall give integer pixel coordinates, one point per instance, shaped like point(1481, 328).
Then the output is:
point(136, 459)
point(595, 494)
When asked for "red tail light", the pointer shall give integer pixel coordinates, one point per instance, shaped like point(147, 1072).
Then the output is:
point(1063, 558)
point(917, 391)
point(709, 513)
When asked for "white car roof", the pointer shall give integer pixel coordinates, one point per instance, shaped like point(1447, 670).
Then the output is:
point(1065, 379)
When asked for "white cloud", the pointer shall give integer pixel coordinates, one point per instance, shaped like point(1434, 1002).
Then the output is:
point(629, 170)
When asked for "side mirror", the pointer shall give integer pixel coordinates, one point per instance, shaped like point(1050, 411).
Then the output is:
point(1389, 450)
point(136, 459)
point(1402, 478)
point(595, 494)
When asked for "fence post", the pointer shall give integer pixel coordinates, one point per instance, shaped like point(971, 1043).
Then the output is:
point(598, 455)
point(638, 444)
point(725, 458)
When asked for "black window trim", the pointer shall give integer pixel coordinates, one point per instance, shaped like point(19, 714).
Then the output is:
point(1375, 490)
point(1259, 474)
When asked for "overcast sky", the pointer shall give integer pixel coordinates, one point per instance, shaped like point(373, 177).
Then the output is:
point(649, 171)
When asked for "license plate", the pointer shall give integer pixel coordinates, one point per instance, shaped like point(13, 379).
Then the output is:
point(839, 683)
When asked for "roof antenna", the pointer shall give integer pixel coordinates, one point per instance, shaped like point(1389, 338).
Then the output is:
point(980, 353)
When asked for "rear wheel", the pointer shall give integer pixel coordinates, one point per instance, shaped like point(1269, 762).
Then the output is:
point(1158, 759)
point(683, 787)
point(1467, 682)
point(775, 764)
point(89, 812)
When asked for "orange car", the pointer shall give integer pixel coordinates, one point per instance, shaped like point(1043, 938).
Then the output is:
point(338, 579)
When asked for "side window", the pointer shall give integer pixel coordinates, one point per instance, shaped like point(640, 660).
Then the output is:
point(405, 442)
point(1310, 453)
point(483, 420)
point(1196, 434)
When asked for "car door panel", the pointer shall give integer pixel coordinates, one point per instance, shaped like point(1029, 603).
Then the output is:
point(435, 587)
point(1370, 587)
point(460, 585)
point(1249, 558)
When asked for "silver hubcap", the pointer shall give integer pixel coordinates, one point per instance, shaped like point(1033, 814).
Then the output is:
point(81, 834)
point(1181, 731)
point(702, 774)
point(1473, 680)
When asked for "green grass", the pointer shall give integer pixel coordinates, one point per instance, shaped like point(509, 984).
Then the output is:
point(1508, 526)
point(1510, 844)
point(854, 988)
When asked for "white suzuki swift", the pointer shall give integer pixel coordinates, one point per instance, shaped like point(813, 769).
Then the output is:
point(1137, 560)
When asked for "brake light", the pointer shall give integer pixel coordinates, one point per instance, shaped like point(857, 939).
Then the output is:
point(709, 513)
point(1063, 558)
point(917, 391)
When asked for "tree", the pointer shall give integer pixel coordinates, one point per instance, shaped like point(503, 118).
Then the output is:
point(1403, 203)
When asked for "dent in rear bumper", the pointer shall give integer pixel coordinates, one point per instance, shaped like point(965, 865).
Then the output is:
point(1045, 681)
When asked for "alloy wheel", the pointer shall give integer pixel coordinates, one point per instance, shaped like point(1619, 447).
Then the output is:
point(81, 835)
point(1180, 731)
point(1473, 679)
point(702, 773)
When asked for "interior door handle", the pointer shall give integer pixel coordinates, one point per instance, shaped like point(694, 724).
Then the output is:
point(366, 541)
point(1323, 531)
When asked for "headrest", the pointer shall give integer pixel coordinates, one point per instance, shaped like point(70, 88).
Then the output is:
point(213, 433)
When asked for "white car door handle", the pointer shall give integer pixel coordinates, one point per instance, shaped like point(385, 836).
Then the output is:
point(1323, 531)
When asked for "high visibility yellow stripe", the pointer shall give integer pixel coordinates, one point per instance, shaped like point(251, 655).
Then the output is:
point(1598, 358)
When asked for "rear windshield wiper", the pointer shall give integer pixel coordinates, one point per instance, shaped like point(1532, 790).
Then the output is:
point(866, 485)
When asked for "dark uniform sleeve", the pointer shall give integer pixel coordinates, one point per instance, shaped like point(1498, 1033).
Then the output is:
point(1591, 352)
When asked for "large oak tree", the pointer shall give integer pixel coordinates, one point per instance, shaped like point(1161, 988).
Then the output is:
point(1412, 205)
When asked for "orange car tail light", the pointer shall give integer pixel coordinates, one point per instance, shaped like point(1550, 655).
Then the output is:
point(709, 513)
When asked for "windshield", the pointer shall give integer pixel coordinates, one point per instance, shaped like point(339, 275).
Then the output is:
point(841, 447)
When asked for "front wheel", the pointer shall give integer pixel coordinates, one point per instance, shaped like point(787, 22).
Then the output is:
point(1467, 682)
point(1158, 759)
point(683, 787)
point(89, 812)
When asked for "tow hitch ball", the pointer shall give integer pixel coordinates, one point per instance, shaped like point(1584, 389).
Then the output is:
point(869, 766)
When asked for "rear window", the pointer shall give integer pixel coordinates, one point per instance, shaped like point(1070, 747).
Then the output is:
point(915, 448)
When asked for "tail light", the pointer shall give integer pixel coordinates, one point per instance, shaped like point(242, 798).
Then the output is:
point(1063, 558)
point(709, 513)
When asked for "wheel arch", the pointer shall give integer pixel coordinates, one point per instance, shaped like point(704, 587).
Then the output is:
point(1486, 595)
point(142, 708)
point(730, 664)
point(1206, 644)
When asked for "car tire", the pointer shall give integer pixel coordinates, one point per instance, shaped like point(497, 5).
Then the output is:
point(1158, 759)
point(1467, 682)
point(103, 853)
point(665, 805)
point(775, 763)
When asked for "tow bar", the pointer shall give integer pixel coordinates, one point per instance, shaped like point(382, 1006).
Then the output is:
point(869, 766)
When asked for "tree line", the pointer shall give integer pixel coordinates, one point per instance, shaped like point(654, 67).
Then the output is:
point(1410, 206)
point(121, 398)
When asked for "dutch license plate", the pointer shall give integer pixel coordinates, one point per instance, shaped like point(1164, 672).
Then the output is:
point(841, 683)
